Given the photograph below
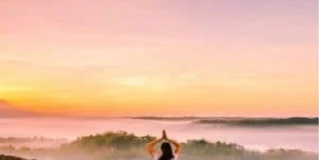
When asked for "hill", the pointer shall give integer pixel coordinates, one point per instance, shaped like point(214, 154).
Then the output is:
point(112, 145)
point(6, 157)
point(264, 122)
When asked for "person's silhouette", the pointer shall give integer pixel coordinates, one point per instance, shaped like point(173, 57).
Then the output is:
point(166, 148)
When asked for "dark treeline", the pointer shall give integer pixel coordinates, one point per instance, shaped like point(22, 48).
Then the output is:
point(7, 157)
point(26, 140)
point(263, 122)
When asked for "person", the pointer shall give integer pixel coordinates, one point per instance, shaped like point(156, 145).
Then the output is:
point(166, 148)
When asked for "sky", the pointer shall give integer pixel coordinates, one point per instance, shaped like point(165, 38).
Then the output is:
point(151, 57)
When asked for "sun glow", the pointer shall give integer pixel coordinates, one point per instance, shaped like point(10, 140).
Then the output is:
point(133, 81)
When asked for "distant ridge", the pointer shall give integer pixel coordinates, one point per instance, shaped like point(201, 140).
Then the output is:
point(264, 122)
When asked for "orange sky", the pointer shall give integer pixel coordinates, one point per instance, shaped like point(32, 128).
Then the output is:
point(108, 58)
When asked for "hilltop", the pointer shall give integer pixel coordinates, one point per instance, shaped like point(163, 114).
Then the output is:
point(6, 157)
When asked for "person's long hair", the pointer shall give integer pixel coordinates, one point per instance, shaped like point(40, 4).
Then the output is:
point(167, 153)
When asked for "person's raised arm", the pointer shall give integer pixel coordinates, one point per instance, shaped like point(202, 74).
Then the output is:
point(150, 146)
point(177, 146)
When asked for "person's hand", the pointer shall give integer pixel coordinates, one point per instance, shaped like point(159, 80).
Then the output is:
point(164, 135)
